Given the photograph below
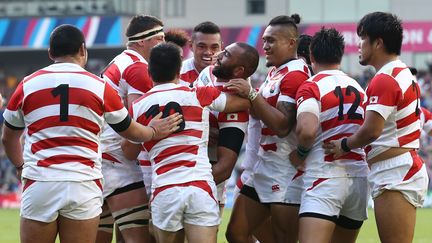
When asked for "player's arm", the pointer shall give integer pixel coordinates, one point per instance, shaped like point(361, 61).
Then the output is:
point(130, 150)
point(280, 119)
point(11, 139)
point(235, 103)
point(306, 130)
point(138, 81)
point(229, 145)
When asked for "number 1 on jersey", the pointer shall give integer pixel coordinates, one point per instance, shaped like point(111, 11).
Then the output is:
point(63, 91)
point(352, 114)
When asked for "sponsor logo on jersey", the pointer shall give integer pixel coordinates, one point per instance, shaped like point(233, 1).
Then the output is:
point(373, 100)
point(300, 100)
point(275, 188)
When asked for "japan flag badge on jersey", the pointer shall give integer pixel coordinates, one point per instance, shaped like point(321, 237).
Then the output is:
point(373, 100)
point(232, 117)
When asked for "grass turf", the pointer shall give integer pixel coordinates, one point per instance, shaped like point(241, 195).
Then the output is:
point(9, 226)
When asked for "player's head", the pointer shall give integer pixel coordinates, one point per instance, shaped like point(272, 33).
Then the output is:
point(67, 40)
point(205, 43)
point(280, 39)
point(177, 36)
point(144, 32)
point(165, 62)
point(238, 60)
point(380, 33)
point(327, 47)
point(303, 47)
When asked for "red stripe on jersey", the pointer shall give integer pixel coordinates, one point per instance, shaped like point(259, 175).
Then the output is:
point(109, 157)
point(406, 121)
point(157, 91)
point(397, 70)
point(239, 183)
point(272, 100)
point(409, 138)
point(393, 95)
point(267, 132)
point(63, 141)
point(42, 72)
point(191, 149)
point(330, 100)
point(189, 132)
point(16, 100)
point(77, 96)
point(332, 123)
point(174, 165)
point(54, 121)
point(113, 73)
point(269, 147)
point(190, 113)
point(132, 56)
point(348, 156)
point(412, 93)
point(189, 76)
point(200, 184)
point(28, 182)
point(337, 136)
point(65, 158)
point(99, 184)
point(298, 174)
point(416, 165)
point(316, 183)
point(318, 77)
point(144, 162)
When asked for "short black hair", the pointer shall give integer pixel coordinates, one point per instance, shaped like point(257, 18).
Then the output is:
point(327, 46)
point(177, 36)
point(250, 58)
point(65, 40)
point(206, 27)
point(303, 47)
point(140, 23)
point(165, 62)
point(382, 25)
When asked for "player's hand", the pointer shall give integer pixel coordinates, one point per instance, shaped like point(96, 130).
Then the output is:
point(239, 86)
point(334, 147)
point(296, 161)
point(166, 126)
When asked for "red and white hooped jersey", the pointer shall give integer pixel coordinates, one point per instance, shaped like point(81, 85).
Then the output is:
point(220, 120)
point(181, 157)
point(188, 72)
point(341, 101)
point(281, 84)
point(127, 74)
point(399, 105)
point(63, 108)
point(252, 145)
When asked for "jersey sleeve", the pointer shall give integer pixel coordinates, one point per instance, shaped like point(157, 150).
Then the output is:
point(290, 84)
point(114, 110)
point(308, 98)
point(13, 115)
point(427, 126)
point(212, 97)
point(137, 79)
point(384, 94)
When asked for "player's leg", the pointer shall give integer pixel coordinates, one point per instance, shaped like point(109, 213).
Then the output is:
point(130, 211)
point(285, 222)
point(163, 236)
point(263, 233)
point(106, 225)
point(200, 234)
point(32, 231)
point(395, 217)
point(247, 215)
point(313, 229)
point(77, 231)
point(344, 235)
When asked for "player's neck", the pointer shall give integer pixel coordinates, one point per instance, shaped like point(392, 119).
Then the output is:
point(383, 59)
point(324, 67)
point(69, 59)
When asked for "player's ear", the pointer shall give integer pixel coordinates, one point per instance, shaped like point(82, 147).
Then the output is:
point(239, 72)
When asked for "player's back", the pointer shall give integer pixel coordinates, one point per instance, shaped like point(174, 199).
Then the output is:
point(64, 109)
point(341, 101)
point(182, 156)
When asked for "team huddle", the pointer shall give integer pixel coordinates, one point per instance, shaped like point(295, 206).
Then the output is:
point(147, 146)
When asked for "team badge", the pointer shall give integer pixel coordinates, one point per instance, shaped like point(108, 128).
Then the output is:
point(232, 117)
point(373, 100)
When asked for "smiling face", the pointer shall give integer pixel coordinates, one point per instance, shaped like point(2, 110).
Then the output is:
point(227, 62)
point(204, 47)
point(279, 45)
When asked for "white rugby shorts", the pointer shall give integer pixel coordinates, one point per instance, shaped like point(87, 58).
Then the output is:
point(44, 200)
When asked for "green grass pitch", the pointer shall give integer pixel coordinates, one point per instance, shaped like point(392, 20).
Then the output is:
point(9, 225)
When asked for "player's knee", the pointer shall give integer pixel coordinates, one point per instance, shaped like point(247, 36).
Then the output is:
point(134, 217)
point(234, 234)
point(106, 222)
